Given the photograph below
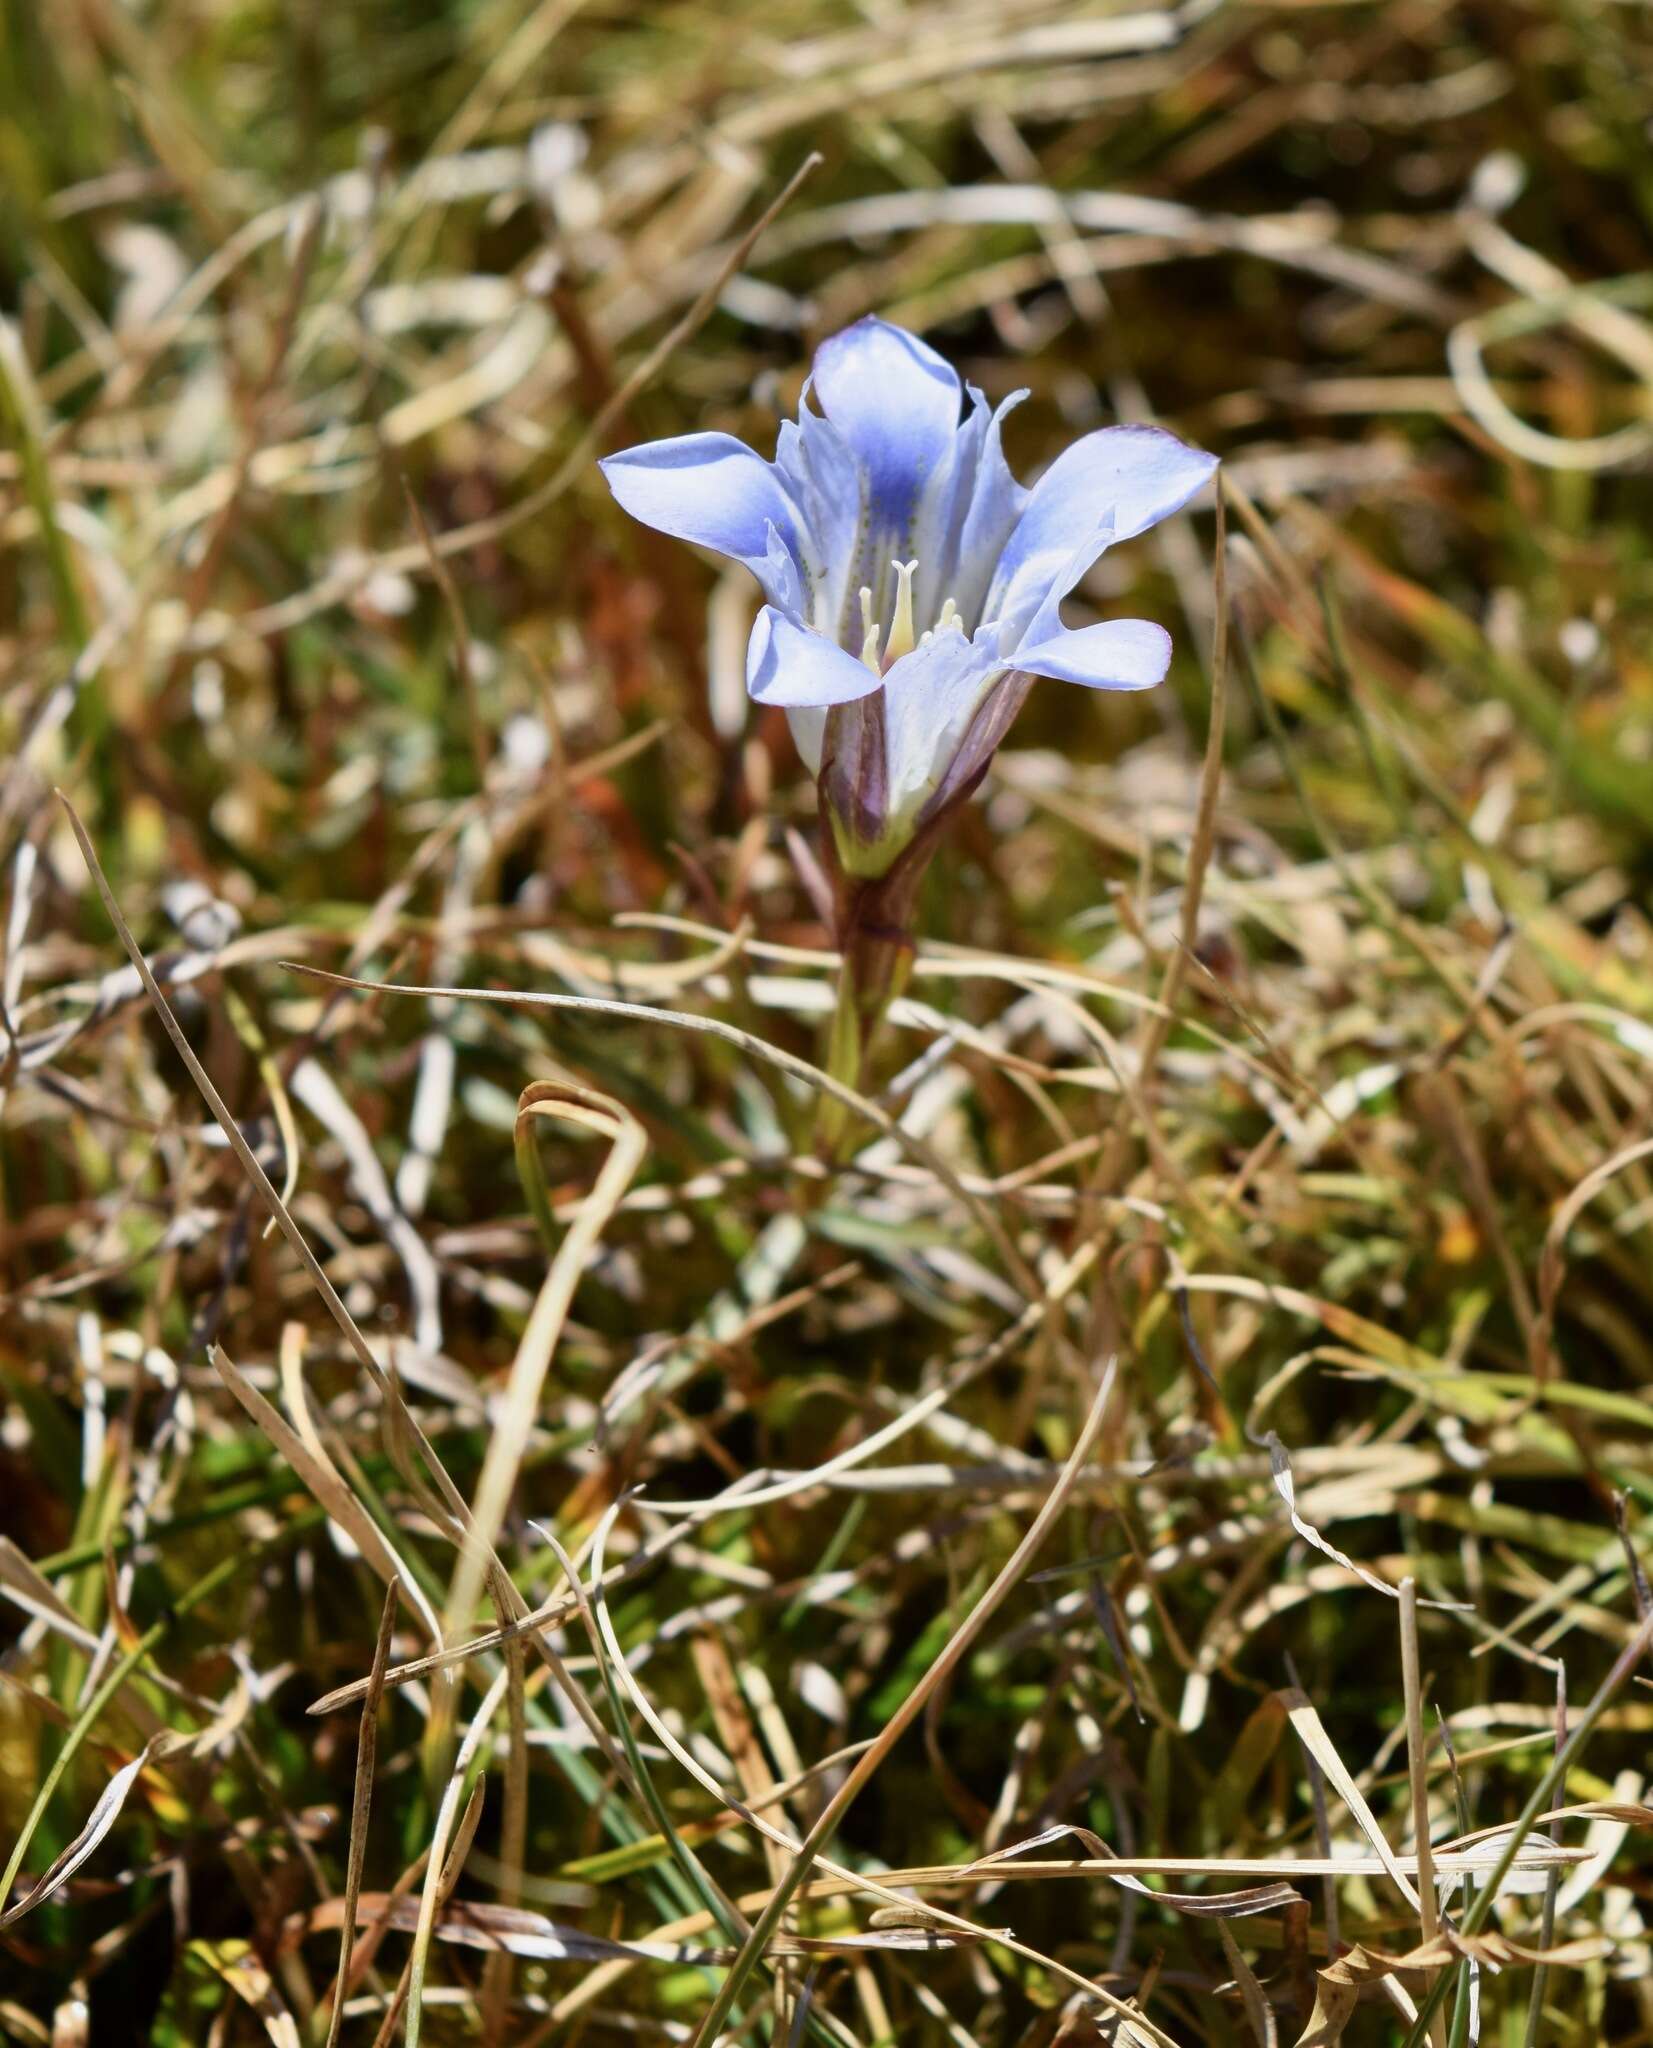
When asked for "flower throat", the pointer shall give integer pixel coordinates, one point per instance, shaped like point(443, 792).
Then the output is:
point(901, 638)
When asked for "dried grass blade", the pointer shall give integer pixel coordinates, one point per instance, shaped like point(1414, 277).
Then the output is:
point(403, 1433)
point(1312, 1734)
point(215, 1102)
point(328, 1487)
point(1552, 1269)
point(86, 1720)
point(1259, 2013)
point(1428, 1907)
point(22, 1582)
point(1269, 1898)
point(1566, 1755)
point(367, 1743)
point(98, 1823)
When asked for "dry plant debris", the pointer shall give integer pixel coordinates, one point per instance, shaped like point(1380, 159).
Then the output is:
point(504, 1536)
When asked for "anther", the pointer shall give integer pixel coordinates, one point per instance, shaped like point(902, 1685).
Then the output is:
point(869, 633)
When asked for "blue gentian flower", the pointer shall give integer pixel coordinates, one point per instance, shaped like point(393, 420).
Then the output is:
point(914, 586)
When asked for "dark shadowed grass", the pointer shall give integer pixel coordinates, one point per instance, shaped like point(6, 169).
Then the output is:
point(499, 1541)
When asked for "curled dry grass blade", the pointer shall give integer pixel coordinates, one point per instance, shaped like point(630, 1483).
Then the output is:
point(714, 1027)
point(521, 1401)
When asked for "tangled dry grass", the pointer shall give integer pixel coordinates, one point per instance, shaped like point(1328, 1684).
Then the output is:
point(500, 1542)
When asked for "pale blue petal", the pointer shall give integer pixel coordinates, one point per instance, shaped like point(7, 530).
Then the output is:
point(827, 484)
point(986, 731)
point(1131, 476)
point(808, 723)
point(997, 502)
point(713, 490)
point(787, 666)
point(930, 697)
point(942, 509)
point(1031, 612)
point(896, 402)
point(1118, 654)
point(781, 575)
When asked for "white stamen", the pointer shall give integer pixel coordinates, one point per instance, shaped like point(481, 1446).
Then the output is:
point(869, 633)
point(949, 616)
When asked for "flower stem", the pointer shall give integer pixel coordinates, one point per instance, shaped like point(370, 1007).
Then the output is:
point(875, 941)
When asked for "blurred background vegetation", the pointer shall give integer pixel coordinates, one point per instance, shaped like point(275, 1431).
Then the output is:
point(313, 604)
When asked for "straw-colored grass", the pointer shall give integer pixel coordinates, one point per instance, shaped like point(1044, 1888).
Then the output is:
point(503, 1537)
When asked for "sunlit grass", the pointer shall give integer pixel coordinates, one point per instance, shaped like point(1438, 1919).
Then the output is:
point(1191, 1421)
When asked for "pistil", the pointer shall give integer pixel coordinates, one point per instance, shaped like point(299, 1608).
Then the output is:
point(902, 638)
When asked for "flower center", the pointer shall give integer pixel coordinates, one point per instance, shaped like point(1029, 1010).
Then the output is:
point(902, 639)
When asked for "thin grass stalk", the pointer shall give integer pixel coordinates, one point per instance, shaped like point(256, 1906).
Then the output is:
point(716, 1901)
point(367, 1745)
point(1429, 1918)
point(499, 1970)
point(1552, 1884)
point(402, 1999)
point(441, 1876)
point(19, 414)
point(520, 1402)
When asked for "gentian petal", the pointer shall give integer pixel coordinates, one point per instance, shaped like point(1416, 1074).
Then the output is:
point(1118, 654)
point(943, 506)
point(781, 575)
point(996, 504)
point(788, 666)
point(808, 723)
point(826, 483)
point(930, 698)
point(1032, 610)
point(896, 402)
point(713, 490)
point(1136, 475)
point(995, 715)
